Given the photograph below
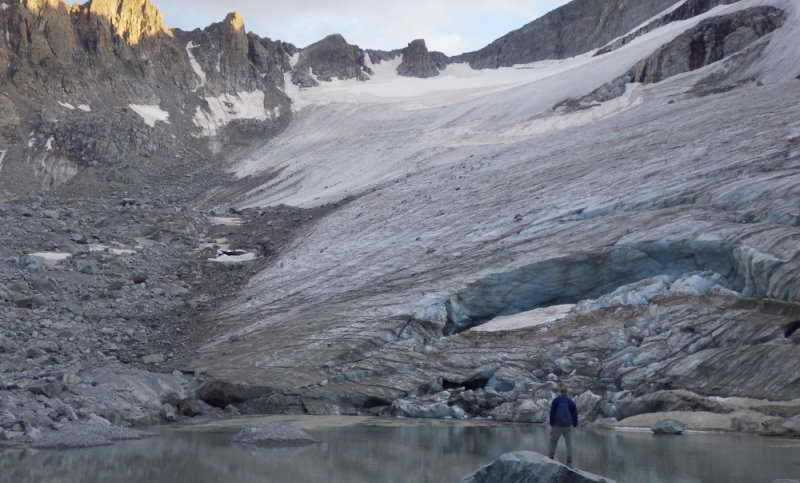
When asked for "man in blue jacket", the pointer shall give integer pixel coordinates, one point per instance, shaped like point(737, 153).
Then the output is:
point(563, 417)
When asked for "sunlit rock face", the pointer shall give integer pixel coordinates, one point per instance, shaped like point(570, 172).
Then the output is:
point(656, 230)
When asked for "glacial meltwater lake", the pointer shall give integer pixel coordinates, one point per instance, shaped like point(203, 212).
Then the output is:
point(380, 450)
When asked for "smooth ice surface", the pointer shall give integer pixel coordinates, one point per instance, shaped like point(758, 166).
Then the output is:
point(150, 114)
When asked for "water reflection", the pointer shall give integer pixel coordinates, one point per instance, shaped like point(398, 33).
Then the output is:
point(426, 453)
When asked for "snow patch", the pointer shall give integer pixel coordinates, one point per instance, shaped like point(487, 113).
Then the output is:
point(150, 113)
point(53, 169)
point(195, 65)
point(66, 105)
point(99, 247)
point(2, 157)
point(226, 108)
point(226, 221)
point(235, 256)
point(49, 145)
point(85, 108)
point(294, 59)
point(531, 318)
point(51, 256)
point(3, 6)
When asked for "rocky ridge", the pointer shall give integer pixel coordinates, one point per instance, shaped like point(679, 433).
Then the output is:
point(566, 31)
point(106, 83)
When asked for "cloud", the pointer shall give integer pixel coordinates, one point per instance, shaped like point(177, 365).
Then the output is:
point(450, 26)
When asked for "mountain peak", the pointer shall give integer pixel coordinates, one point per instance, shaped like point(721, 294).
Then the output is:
point(36, 6)
point(133, 20)
point(235, 20)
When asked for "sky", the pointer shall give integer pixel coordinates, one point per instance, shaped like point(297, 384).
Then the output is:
point(449, 26)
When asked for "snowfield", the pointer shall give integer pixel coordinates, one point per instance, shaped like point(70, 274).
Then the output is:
point(413, 123)
point(468, 175)
point(150, 114)
point(224, 109)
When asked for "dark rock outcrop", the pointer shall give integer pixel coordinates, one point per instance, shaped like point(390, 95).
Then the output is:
point(574, 28)
point(531, 467)
point(686, 10)
point(330, 57)
point(418, 62)
point(711, 40)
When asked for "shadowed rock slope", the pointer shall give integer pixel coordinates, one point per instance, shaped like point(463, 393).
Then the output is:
point(575, 28)
point(106, 83)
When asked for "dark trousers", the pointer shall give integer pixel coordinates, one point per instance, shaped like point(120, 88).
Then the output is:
point(555, 434)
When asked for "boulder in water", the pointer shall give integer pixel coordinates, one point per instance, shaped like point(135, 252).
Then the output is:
point(530, 467)
point(668, 426)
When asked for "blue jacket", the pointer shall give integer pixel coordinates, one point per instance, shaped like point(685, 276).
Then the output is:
point(563, 412)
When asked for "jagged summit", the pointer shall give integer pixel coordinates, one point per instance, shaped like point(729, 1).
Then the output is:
point(235, 21)
point(418, 62)
point(132, 20)
point(328, 58)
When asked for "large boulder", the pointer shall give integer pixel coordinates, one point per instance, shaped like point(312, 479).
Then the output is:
point(668, 426)
point(274, 434)
point(530, 467)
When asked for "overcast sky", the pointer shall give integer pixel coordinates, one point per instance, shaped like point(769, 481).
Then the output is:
point(450, 26)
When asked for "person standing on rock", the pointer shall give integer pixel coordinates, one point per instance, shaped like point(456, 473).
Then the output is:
point(563, 417)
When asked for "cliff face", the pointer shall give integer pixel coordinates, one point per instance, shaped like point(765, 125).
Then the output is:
point(106, 82)
point(575, 28)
